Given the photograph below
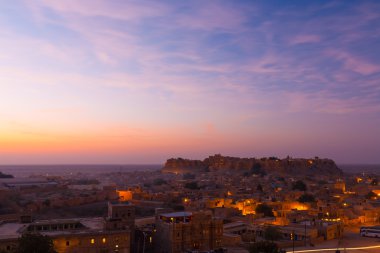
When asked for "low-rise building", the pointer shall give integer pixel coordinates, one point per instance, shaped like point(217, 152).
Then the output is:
point(82, 235)
point(181, 231)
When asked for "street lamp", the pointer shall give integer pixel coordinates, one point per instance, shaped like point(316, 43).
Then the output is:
point(144, 242)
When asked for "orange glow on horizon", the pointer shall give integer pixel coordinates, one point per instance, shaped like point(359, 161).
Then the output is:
point(105, 140)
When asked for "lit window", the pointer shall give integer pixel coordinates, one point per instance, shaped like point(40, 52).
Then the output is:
point(92, 241)
point(104, 240)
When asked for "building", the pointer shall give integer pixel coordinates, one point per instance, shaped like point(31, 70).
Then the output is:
point(25, 183)
point(292, 232)
point(83, 235)
point(181, 231)
point(125, 195)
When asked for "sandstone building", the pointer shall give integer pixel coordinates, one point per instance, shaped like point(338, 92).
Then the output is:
point(83, 235)
point(181, 231)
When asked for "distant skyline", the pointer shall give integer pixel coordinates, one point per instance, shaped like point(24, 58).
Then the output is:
point(137, 82)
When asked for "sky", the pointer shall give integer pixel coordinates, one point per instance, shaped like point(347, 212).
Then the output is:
point(119, 81)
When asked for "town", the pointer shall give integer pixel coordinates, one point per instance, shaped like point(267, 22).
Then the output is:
point(220, 204)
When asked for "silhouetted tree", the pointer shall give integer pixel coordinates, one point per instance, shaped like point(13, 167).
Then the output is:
point(192, 185)
point(264, 209)
point(263, 246)
point(257, 170)
point(371, 195)
point(188, 176)
point(159, 181)
point(35, 243)
point(272, 233)
point(306, 198)
point(299, 185)
point(46, 202)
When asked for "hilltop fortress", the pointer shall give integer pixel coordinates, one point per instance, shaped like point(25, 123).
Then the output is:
point(299, 166)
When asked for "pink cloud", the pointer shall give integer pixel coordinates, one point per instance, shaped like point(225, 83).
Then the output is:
point(210, 16)
point(323, 102)
point(355, 64)
point(133, 11)
point(305, 38)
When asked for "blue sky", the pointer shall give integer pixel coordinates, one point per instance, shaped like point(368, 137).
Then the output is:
point(141, 81)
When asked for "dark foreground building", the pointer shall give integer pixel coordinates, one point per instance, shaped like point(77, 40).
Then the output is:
point(84, 235)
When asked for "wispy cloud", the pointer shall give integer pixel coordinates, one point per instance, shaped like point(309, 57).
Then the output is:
point(211, 16)
point(129, 11)
point(218, 67)
point(352, 63)
point(305, 38)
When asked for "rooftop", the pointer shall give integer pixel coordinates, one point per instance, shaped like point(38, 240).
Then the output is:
point(121, 203)
point(90, 226)
point(177, 214)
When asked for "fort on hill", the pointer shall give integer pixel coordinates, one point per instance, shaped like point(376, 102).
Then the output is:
point(299, 166)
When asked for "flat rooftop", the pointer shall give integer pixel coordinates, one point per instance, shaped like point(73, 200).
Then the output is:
point(121, 203)
point(91, 225)
point(373, 227)
point(11, 230)
point(234, 224)
point(177, 214)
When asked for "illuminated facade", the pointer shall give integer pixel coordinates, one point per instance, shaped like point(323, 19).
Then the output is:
point(180, 231)
point(124, 195)
point(245, 206)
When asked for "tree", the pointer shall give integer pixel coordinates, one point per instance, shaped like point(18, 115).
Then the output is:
point(188, 176)
point(178, 207)
point(259, 188)
point(371, 195)
point(299, 185)
point(272, 233)
point(258, 170)
point(264, 209)
point(306, 198)
point(46, 202)
point(159, 181)
point(192, 186)
point(35, 243)
point(263, 246)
